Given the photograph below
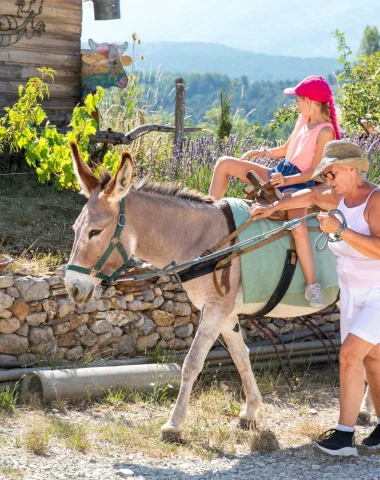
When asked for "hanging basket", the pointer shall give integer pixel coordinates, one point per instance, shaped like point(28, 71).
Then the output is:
point(107, 9)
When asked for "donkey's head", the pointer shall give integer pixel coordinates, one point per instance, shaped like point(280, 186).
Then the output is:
point(97, 252)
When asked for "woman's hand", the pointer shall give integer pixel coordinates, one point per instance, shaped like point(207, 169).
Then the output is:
point(328, 224)
point(258, 211)
point(253, 154)
point(277, 180)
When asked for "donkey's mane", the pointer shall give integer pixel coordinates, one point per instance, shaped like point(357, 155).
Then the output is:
point(163, 189)
point(171, 190)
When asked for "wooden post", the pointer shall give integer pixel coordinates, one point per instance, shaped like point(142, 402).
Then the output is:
point(179, 110)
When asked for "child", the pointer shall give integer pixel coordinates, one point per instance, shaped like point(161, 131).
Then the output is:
point(316, 125)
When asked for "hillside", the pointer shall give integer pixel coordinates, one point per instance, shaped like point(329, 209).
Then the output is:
point(198, 57)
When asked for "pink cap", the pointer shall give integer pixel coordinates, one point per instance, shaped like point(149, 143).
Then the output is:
point(313, 87)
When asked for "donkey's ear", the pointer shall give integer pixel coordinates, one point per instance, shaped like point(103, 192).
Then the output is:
point(119, 184)
point(87, 180)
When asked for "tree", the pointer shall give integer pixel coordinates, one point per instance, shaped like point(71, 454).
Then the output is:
point(359, 93)
point(370, 41)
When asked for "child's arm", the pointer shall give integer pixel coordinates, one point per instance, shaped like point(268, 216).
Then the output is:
point(324, 136)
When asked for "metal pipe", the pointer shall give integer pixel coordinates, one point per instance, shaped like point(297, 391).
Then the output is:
point(294, 361)
point(82, 383)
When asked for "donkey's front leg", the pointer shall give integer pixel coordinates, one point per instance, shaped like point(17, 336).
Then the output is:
point(366, 408)
point(208, 331)
point(240, 355)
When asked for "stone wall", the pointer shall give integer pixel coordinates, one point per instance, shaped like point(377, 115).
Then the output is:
point(38, 319)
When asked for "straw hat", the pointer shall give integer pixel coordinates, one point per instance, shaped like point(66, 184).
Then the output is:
point(341, 152)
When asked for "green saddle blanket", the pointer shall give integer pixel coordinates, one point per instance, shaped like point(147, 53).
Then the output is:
point(262, 268)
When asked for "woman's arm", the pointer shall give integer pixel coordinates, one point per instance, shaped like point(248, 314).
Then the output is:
point(325, 135)
point(368, 245)
point(322, 197)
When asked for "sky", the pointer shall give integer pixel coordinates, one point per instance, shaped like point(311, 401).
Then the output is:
point(281, 27)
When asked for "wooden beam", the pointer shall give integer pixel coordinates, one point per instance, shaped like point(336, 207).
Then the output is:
point(119, 138)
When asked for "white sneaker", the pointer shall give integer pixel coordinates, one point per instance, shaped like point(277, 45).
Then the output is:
point(314, 294)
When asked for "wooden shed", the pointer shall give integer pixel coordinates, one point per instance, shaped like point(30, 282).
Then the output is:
point(41, 33)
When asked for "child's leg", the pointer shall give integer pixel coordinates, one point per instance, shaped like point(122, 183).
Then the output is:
point(303, 245)
point(230, 166)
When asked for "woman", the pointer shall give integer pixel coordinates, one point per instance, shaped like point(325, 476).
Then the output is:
point(315, 127)
point(358, 263)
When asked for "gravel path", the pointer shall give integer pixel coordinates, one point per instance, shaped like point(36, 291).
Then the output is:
point(295, 460)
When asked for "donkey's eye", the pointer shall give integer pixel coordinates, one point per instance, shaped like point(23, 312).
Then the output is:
point(93, 233)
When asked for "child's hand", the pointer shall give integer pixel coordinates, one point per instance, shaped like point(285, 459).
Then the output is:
point(277, 180)
point(253, 154)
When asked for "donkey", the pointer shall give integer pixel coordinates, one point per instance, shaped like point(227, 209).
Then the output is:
point(161, 223)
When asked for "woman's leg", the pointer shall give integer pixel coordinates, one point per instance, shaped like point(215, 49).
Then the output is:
point(351, 365)
point(303, 245)
point(230, 166)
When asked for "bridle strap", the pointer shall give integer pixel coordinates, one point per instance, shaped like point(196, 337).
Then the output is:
point(115, 243)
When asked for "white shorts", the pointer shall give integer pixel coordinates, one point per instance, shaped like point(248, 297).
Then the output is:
point(360, 312)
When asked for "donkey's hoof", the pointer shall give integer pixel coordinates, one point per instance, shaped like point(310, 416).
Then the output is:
point(247, 423)
point(171, 435)
point(364, 418)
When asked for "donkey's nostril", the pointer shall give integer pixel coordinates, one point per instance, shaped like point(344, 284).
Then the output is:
point(89, 295)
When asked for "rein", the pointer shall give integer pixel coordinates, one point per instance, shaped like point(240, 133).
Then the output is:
point(114, 243)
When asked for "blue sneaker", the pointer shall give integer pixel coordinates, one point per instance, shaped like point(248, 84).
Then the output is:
point(337, 443)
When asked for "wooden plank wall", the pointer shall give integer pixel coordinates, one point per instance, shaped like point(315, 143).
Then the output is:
point(58, 48)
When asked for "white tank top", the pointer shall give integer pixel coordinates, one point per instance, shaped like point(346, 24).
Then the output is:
point(354, 268)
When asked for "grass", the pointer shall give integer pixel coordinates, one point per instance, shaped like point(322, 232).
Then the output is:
point(11, 472)
point(8, 398)
point(36, 441)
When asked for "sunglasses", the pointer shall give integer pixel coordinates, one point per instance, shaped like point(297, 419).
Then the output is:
point(328, 175)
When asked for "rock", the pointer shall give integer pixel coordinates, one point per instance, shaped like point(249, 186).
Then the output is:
point(149, 341)
point(35, 306)
point(87, 308)
point(148, 326)
point(138, 305)
point(6, 301)
point(101, 326)
point(35, 319)
point(50, 307)
point(41, 339)
point(119, 303)
point(168, 295)
point(12, 291)
point(181, 297)
point(129, 297)
point(70, 339)
point(109, 292)
point(120, 318)
point(194, 319)
point(6, 281)
point(181, 309)
point(82, 329)
point(27, 359)
point(9, 325)
point(313, 411)
point(23, 330)
point(87, 337)
point(169, 286)
point(163, 279)
point(5, 314)
point(162, 318)
point(157, 302)
point(189, 341)
point(54, 281)
point(148, 296)
point(61, 328)
point(332, 317)
point(181, 321)
point(184, 330)
point(157, 291)
point(13, 344)
point(166, 333)
point(103, 305)
point(124, 473)
point(167, 306)
point(74, 353)
point(6, 359)
point(58, 291)
point(75, 320)
point(64, 307)
point(177, 344)
point(31, 289)
point(104, 339)
point(125, 347)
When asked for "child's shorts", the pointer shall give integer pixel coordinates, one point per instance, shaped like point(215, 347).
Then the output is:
point(360, 312)
point(287, 169)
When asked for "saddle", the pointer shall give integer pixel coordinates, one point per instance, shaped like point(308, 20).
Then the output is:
point(263, 192)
